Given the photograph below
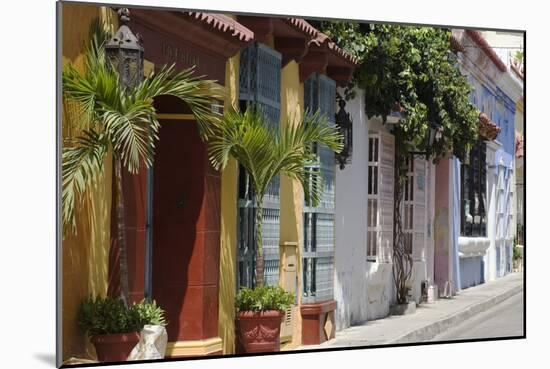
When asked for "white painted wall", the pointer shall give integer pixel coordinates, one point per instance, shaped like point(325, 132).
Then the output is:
point(379, 276)
point(364, 290)
point(381, 289)
point(350, 288)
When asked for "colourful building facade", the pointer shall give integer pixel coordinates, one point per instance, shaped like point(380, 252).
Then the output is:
point(186, 224)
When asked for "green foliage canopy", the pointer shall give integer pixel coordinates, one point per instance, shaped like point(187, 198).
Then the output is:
point(414, 67)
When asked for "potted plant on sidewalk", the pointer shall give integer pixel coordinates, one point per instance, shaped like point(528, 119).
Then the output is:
point(259, 314)
point(115, 329)
point(264, 154)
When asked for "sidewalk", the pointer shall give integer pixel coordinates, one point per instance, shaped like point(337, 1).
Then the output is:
point(429, 319)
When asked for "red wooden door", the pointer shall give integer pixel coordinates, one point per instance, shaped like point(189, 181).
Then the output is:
point(186, 233)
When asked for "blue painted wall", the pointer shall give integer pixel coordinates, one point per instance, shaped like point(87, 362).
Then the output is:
point(471, 271)
point(497, 106)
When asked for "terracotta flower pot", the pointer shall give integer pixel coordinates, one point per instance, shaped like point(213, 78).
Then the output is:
point(114, 347)
point(259, 331)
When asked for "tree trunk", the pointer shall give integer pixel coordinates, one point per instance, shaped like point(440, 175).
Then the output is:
point(402, 262)
point(259, 246)
point(121, 235)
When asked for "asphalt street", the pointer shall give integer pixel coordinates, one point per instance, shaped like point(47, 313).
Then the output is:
point(502, 320)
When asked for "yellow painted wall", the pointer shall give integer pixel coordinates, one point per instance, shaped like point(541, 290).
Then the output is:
point(291, 224)
point(228, 234)
point(85, 254)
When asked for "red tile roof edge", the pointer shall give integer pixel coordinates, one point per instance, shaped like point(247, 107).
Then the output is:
point(487, 49)
point(518, 69)
point(303, 26)
point(224, 24)
point(457, 45)
point(487, 127)
point(342, 53)
point(332, 46)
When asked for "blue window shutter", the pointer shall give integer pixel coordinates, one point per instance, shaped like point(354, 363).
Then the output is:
point(259, 84)
point(318, 255)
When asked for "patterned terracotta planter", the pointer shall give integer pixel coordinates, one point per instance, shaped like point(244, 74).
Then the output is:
point(259, 331)
point(114, 347)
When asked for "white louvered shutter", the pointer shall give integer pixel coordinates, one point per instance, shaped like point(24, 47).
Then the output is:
point(419, 209)
point(386, 195)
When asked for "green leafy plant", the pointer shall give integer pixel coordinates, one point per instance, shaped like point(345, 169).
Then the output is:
point(148, 313)
point(265, 153)
point(263, 298)
point(108, 315)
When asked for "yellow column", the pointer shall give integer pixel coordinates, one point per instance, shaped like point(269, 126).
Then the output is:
point(291, 224)
point(85, 253)
point(228, 237)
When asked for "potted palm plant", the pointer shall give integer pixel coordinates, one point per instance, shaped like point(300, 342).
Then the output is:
point(113, 328)
point(265, 153)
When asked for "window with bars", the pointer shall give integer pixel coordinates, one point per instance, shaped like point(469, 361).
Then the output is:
point(372, 199)
point(318, 252)
point(259, 85)
point(380, 197)
point(474, 190)
point(407, 211)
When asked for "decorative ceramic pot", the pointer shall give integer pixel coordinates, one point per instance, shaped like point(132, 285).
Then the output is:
point(259, 330)
point(114, 347)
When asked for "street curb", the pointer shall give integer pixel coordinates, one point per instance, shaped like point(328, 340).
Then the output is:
point(431, 330)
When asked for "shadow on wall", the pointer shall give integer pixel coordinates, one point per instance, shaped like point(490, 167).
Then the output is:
point(228, 252)
point(85, 261)
point(342, 294)
point(84, 254)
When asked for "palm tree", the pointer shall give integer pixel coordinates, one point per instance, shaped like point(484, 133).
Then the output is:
point(265, 153)
point(123, 121)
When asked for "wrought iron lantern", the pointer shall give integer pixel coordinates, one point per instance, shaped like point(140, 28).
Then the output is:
point(125, 52)
point(435, 133)
point(345, 125)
